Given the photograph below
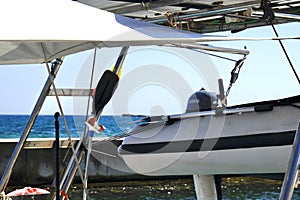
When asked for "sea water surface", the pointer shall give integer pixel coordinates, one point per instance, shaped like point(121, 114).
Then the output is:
point(12, 126)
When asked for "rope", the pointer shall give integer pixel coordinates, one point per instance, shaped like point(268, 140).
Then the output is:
point(269, 17)
point(61, 110)
point(234, 73)
point(234, 76)
point(285, 52)
point(170, 19)
point(64, 194)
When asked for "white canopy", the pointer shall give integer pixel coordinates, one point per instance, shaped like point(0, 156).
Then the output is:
point(64, 27)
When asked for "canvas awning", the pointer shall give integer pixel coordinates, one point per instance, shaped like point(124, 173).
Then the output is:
point(65, 27)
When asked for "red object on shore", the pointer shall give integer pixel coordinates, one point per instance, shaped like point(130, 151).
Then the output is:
point(27, 191)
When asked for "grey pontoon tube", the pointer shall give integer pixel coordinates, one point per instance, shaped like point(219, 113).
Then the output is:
point(33, 116)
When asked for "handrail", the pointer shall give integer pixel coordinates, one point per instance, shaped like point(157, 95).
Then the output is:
point(291, 174)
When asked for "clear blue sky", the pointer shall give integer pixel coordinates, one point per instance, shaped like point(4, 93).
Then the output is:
point(265, 75)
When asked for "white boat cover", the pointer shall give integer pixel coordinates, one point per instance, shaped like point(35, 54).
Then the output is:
point(65, 27)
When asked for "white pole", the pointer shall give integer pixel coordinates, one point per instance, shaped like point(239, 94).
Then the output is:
point(205, 187)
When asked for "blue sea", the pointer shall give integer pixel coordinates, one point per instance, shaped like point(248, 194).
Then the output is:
point(12, 126)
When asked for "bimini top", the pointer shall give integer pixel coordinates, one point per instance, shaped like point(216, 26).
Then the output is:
point(62, 27)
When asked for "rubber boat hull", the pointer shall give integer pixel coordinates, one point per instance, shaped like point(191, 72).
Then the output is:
point(254, 142)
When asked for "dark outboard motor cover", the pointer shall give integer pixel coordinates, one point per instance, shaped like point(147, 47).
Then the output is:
point(202, 101)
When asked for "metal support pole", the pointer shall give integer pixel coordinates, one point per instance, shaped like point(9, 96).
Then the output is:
point(120, 60)
point(72, 167)
point(33, 116)
point(71, 161)
point(66, 180)
point(205, 187)
point(291, 174)
point(56, 115)
point(87, 160)
point(88, 139)
point(71, 174)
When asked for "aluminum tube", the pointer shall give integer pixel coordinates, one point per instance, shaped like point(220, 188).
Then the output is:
point(67, 170)
point(120, 60)
point(213, 48)
point(33, 116)
point(72, 167)
point(291, 174)
point(72, 174)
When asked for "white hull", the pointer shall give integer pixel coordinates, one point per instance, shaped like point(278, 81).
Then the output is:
point(242, 161)
point(241, 143)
